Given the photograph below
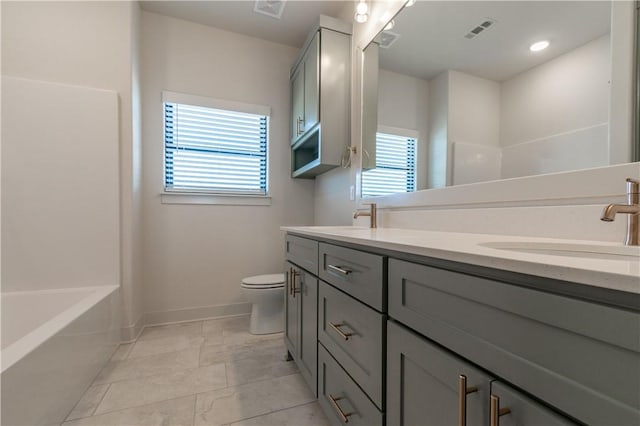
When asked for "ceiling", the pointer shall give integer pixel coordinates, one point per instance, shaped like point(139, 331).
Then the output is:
point(298, 17)
point(432, 35)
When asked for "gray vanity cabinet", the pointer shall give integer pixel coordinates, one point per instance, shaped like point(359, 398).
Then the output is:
point(428, 385)
point(301, 308)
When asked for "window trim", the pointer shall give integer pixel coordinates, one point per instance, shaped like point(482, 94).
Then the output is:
point(196, 196)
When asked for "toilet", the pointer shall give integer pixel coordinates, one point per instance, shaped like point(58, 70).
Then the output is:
point(266, 293)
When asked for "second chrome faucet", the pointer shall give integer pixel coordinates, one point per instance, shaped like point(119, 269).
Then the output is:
point(373, 212)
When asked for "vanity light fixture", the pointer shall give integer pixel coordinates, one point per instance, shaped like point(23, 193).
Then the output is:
point(539, 45)
point(362, 10)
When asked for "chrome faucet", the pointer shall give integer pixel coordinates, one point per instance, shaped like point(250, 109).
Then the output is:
point(632, 209)
point(373, 213)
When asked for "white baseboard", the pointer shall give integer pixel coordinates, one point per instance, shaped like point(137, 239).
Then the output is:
point(194, 314)
point(131, 332)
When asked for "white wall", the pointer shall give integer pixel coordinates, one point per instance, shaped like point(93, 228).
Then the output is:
point(402, 103)
point(59, 186)
point(567, 93)
point(438, 130)
point(86, 44)
point(195, 255)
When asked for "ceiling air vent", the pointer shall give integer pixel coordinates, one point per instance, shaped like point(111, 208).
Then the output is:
point(387, 38)
point(483, 26)
point(272, 8)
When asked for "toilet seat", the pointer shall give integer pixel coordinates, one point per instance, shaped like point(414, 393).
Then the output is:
point(264, 281)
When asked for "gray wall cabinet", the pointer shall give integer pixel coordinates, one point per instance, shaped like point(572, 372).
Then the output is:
point(408, 340)
point(320, 103)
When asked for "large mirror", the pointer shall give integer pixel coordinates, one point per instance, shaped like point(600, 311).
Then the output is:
point(461, 92)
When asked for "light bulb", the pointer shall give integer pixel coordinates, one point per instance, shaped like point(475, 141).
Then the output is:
point(390, 25)
point(410, 3)
point(538, 46)
point(362, 8)
point(361, 18)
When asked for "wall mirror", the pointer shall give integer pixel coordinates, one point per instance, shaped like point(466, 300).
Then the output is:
point(473, 91)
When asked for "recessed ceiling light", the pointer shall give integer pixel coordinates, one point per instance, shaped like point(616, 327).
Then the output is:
point(539, 45)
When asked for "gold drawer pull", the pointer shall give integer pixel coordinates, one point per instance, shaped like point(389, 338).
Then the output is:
point(337, 329)
point(496, 411)
point(334, 401)
point(292, 288)
point(463, 391)
point(339, 269)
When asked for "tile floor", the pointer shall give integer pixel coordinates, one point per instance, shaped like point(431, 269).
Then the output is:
point(199, 373)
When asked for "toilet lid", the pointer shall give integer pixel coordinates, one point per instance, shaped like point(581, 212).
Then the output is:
point(264, 281)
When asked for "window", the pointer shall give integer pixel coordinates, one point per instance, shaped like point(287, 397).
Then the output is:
point(395, 166)
point(216, 150)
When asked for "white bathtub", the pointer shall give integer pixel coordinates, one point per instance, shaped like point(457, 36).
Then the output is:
point(54, 342)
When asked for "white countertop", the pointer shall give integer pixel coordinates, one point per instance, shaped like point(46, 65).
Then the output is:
point(618, 274)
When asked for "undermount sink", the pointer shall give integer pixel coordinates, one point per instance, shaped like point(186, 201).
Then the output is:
point(586, 251)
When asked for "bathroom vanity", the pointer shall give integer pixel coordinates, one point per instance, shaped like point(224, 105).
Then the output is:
point(435, 328)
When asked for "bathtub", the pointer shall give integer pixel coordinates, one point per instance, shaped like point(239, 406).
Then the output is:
point(54, 342)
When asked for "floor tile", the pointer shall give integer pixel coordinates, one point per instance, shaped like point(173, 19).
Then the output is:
point(253, 369)
point(241, 402)
point(175, 412)
point(122, 352)
point(165, 345)
point(161, 387)
point(88, 403)
point(302, 415)
point(182, 329)
point(268, 349)
point(217, 326)
point(138, 367)
point(241, 336)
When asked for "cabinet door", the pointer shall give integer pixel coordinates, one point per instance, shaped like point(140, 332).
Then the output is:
point(512, 408)
point(297, 103)
point(427, 385)
point(307, 295)
point(291, 312)
point(311, 84)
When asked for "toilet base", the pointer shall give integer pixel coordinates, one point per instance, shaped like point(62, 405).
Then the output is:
point(266, 319)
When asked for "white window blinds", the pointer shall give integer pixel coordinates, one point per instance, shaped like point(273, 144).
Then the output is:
point(395, 166)
point(214, 150)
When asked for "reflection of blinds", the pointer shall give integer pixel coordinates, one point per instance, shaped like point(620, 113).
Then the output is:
point(395, 167)
point(214, 150)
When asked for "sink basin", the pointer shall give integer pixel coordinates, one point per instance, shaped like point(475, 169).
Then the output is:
point(586, 251)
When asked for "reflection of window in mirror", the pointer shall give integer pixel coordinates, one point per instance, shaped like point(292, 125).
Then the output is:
point(395, 169)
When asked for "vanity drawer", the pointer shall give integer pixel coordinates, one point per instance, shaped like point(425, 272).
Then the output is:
point(340, 397)
point(356, 273)
point(353, 333)
point(303, 252)
point(581, 357)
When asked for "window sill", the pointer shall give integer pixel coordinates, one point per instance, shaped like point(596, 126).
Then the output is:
point(214, 199)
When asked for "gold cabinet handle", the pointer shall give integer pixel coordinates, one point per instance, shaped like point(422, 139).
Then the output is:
point(496, 411)
point(339, 269)
point(292, 281)
point(337, 329)
point(334, 401)
point(463, 391)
